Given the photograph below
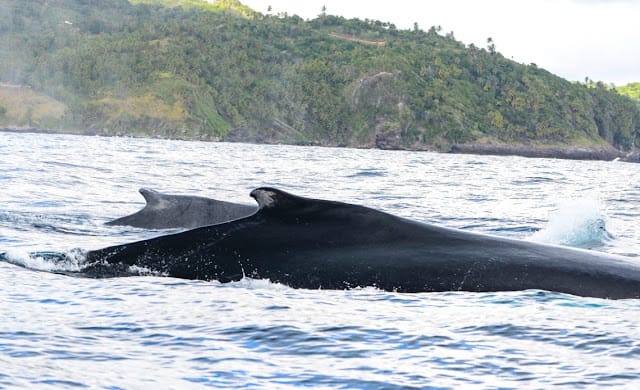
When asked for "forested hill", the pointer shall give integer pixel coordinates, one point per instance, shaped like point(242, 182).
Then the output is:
point(632, 90)
point(223, 71)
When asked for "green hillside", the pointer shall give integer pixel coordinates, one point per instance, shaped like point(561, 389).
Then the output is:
point(631, 90)
point(190, 69)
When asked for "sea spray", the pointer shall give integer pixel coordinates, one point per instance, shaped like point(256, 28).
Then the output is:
point(576, 222)
point(70, 261)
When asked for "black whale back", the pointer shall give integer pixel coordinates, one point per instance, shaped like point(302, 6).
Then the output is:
point(311, 243)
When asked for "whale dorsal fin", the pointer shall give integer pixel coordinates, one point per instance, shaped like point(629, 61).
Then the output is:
point(152, 197)
point(269, 198)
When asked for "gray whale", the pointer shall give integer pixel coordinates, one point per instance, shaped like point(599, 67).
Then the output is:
point(320, 244)
point(164, 211)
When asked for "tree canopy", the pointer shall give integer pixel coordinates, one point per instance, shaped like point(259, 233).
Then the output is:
point(191, 69)
point(631, 90)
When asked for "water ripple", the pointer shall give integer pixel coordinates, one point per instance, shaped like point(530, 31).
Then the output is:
point(151, 332)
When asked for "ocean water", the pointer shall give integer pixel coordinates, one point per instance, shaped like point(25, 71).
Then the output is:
point(56, 192)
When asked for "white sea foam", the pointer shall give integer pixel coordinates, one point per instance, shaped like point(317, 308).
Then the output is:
point(70, 261)
point(576, 222)
point(258, 284)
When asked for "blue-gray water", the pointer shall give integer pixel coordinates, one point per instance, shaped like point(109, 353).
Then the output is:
point(150, 332)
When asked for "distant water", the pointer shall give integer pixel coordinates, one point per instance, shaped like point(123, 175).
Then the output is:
point(57, 191)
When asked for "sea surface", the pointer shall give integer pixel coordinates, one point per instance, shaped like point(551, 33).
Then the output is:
point(57, 191)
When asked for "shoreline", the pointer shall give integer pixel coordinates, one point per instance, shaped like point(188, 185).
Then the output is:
point(597, 153)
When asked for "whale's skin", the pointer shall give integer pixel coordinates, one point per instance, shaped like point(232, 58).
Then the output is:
point(319, 244)
point(165, 211)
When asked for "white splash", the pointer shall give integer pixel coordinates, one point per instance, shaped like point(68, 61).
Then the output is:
point(144, 271)
point(70, 261)
point(576, 222)
point(257, 284)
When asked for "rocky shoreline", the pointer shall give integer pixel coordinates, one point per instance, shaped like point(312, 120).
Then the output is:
point(603, 153)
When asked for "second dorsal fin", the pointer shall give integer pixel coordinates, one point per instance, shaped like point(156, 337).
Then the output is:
point(153, 198)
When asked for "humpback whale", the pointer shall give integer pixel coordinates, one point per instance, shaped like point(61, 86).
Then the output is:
point(164, 211)
point(321, 244)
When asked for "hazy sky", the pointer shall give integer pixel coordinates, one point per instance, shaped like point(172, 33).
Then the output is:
point(571, 38)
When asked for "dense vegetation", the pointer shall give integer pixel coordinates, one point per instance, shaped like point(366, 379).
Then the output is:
point(213, 71)
point(631, 90)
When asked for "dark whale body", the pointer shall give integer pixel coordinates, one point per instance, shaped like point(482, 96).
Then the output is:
point(307, 243)
point(164, 211)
